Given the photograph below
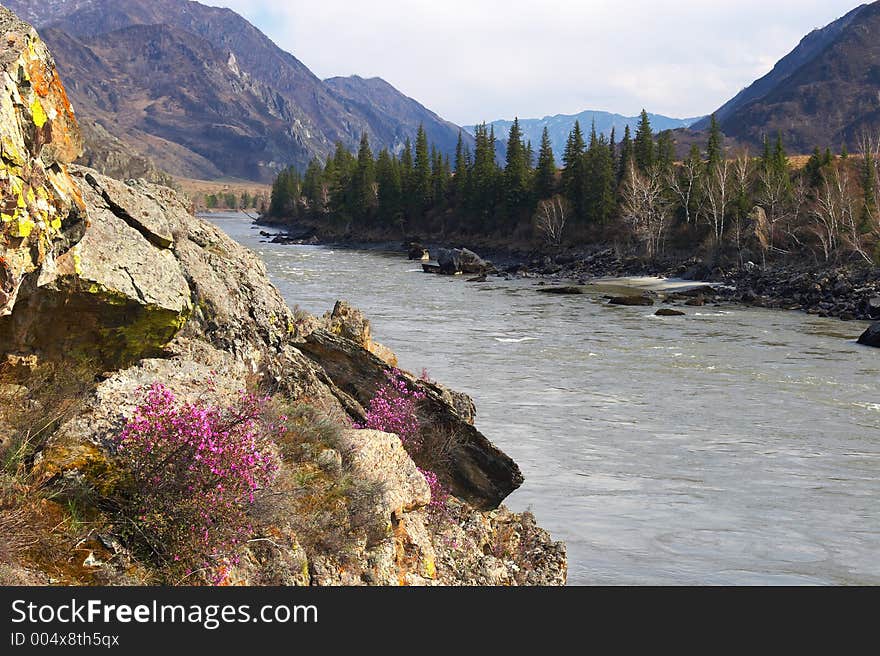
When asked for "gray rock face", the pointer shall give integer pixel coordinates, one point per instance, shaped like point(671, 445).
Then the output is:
point(380, 457)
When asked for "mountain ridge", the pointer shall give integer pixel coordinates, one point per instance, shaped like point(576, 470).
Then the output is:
point(318, 115)
point(825, 92)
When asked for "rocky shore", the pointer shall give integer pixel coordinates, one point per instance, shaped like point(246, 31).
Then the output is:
point(121, 284)
point(843, 291)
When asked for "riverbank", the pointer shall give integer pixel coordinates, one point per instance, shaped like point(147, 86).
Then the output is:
point(847, 292)
point(733, 445)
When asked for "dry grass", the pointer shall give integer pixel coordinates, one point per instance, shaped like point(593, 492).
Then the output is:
point(330, 511)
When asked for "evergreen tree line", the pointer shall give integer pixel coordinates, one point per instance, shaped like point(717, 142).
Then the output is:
point(630, 190)
point(233, 201)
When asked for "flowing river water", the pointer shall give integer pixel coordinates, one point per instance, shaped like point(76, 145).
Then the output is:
point(730, 446)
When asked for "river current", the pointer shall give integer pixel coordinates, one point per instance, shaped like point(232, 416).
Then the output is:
point(730, 446)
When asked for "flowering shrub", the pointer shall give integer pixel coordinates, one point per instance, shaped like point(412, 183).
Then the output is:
point(439, 494)
point(192, 472)
point(394, 409)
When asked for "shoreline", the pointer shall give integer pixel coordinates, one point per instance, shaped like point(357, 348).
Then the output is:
point(849, 292)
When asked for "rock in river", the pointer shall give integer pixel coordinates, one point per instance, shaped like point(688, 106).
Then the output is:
point(631, 300)
point(668, 312)
point(871, 337)
point(570, 290)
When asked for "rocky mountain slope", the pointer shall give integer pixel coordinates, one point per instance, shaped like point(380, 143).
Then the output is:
point(826, 92)
point(229, 101)
point(121, 282)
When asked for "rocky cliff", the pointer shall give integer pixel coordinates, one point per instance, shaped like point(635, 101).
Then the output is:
point(120, 283)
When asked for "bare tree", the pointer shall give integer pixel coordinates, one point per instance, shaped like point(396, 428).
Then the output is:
point(743, 165)
point(645, 206)
point(550, 219)
point(683, 181)
point(835, 221)
point(869, 145)
point(717, 193)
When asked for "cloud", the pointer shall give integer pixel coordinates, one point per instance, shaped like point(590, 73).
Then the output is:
point(470, 60)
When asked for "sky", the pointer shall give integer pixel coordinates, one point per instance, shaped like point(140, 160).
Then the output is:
point(475, 60)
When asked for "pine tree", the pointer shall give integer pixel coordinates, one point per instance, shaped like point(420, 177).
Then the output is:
point(286, 190)
point(459, 182)
point(644, 143)
point(665, 150)
point(389, 190)
point(313, 186)
point(599, 180)
point(439, 177)
point(715, 146)
point(612, 148)
point(573, 175)
point(484, 173)
point(407, 179)
point(516, 170)
point(422, 187)
point(545, 174)
point(339, 171)
point(363, 189)
point(627, 156)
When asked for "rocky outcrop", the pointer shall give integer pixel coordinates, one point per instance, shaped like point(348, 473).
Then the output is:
point(350, 323)
point(479, 472)
point(120, 281)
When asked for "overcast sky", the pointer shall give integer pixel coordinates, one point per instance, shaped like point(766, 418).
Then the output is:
point(474, 60)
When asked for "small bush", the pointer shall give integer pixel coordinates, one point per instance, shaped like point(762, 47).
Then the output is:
point(394, 409)
point(192, 471)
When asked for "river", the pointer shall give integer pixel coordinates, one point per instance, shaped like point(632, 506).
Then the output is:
point(730, 446)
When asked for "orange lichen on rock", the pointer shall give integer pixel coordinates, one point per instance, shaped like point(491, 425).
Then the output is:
point(39, 135)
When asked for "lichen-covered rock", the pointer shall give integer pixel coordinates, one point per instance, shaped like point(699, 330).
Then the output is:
point(377, 456)
point(272, 559)
point(38, 135)
point(350, 323)
point(497, 548)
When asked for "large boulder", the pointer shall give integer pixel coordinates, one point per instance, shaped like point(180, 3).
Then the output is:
point(380, 457)
point(461, 260)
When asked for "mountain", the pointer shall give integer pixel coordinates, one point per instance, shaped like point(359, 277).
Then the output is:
point(394, 117)
point(825, 92)
point(560, 126)
point(206, 94)
point(176, 99)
